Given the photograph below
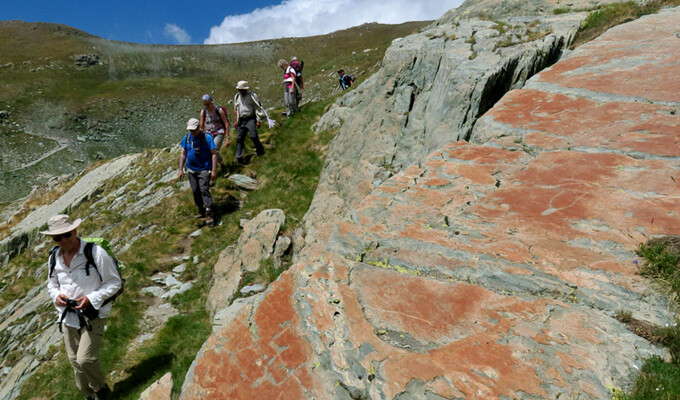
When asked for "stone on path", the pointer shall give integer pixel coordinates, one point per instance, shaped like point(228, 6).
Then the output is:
point(244, 182)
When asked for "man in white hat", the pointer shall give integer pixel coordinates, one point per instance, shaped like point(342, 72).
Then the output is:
point(199, 154)
point(248, 112)
point(78, 289)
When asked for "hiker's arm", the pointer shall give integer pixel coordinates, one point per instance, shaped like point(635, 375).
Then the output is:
point(259, 111)
point(111, 281)
point(202, 123)
point(223, 115)
point(235, 118)
point(54, 289)
point(213, 172)
point(182, 160)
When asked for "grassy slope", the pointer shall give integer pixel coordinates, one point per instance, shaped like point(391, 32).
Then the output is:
point(285, 182)
point(140, 95)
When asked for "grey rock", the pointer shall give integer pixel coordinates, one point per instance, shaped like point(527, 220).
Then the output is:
point(153, 291)
point(243, 182)
point(196, 259)
point(282, 245)
point(148, 202)
point(430, 90)
point(171, 281)
point(177, 290)
point(256, 288)
point(4, 114)
point(87, 60)
point(195, 234)
point(180, 269)
point(255, 244)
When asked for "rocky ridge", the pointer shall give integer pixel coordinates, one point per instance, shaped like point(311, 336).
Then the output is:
point(432, 88)
point(490, 269)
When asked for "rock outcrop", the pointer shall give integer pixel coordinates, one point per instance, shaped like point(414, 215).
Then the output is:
point(494, 9)
point(25, 232)
point(490, 269)
point(256, 243)
point(431, 89)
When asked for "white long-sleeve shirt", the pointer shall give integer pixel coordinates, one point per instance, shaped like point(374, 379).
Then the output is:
point(102, 283)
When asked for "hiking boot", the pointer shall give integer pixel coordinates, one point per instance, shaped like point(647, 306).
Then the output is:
point(209, 218)
point(240, 160)
point(103, 393)
point(199, 216)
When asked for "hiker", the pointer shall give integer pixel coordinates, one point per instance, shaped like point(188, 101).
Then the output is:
point(290, 88)
point(80, 295)
point(297, 66)
point(214, 121)
point(248, 112)
point(200, 155)
point(345, 80)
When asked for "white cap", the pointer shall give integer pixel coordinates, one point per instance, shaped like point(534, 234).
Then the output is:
point(192, 125)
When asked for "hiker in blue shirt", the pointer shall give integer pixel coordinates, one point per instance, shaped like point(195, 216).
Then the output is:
point(200, 155)
point(345, 80)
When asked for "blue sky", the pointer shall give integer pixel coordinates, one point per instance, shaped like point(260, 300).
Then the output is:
point(219, 21)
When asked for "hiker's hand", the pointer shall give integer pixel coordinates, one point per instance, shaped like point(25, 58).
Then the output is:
point(257, 124)
point(213, 175)
point(61, 300)
point(180, 175)
point(83, 302)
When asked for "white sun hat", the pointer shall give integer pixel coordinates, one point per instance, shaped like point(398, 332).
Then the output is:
point(59, 224)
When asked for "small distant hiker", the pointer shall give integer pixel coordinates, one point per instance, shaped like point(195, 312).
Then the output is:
point(345, 80)
point(298, 66)
point(248, 112)
point(82, 277)
point(200, 155)
point(290, 88)
point(215, 122)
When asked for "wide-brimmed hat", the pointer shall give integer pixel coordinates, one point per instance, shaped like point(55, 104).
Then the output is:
point(242, 85)
point(59, 224)
point(192, 125)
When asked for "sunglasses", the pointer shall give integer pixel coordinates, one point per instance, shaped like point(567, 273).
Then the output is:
point(57, 238)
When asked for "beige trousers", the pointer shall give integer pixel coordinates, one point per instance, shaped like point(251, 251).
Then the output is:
point(82, 349)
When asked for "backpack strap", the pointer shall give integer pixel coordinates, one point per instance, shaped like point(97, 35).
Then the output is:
point(89, 246)
point(52, 260)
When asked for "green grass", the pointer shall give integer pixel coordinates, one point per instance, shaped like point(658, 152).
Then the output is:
point(611, 15)
point(658, 379)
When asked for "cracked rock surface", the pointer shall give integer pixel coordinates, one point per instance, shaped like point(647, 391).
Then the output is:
point(490, 269)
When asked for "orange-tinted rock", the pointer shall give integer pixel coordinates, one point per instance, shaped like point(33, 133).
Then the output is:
point(492, 268)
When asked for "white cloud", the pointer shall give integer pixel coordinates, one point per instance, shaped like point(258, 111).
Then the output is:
point(180, 35)
point(296, 18)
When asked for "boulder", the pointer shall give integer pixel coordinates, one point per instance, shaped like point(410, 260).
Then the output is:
point(243, 182)
point(255, 244)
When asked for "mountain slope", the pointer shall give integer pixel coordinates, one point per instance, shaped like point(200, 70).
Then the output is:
point(70, 98)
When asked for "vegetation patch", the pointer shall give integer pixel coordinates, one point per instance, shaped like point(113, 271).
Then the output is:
point(598, 21)
point(659, 379)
